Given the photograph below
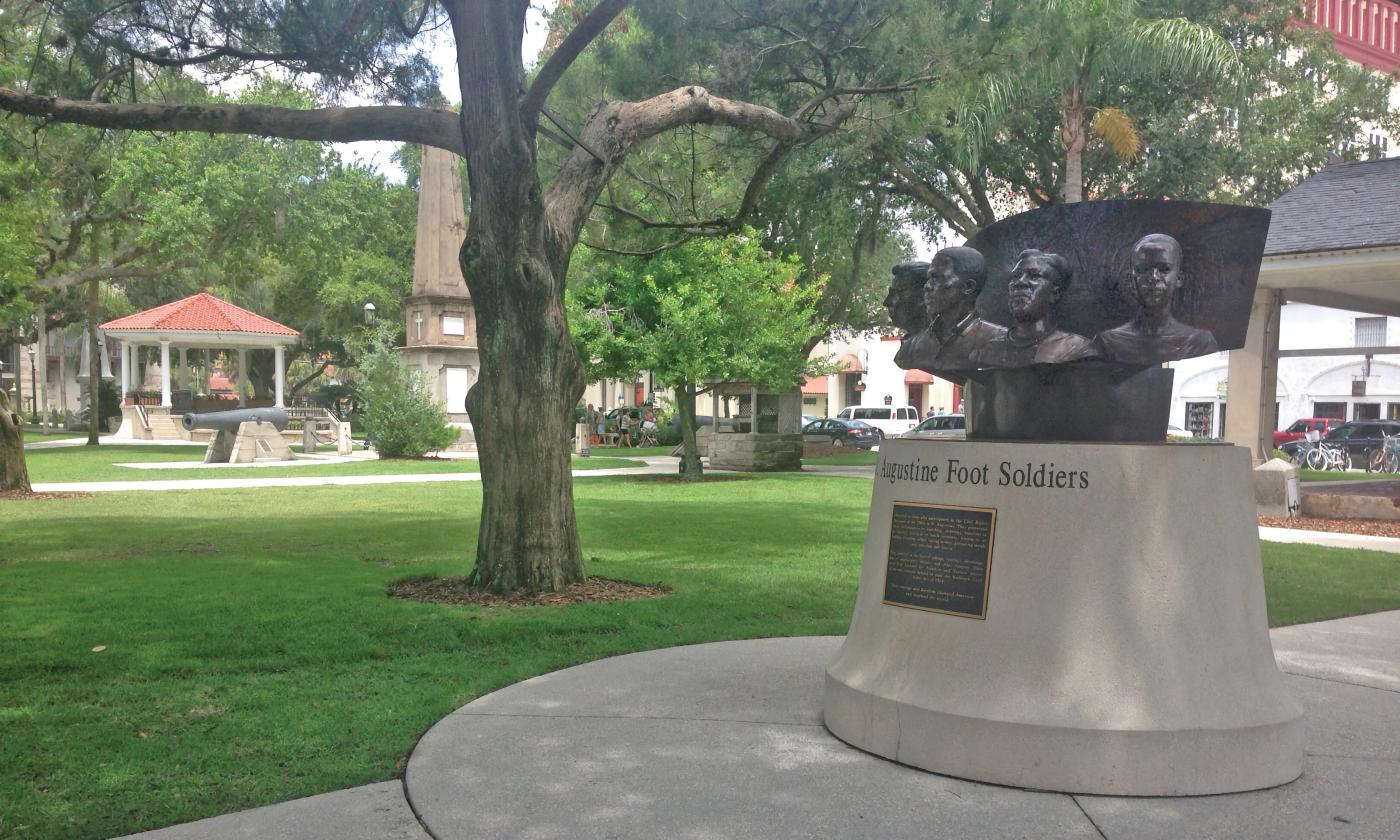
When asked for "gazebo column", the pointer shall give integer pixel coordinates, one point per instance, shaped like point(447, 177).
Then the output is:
point(179, 368)
point(165, 374)
point(126, 369)
point(280, 377)
point(242, 377)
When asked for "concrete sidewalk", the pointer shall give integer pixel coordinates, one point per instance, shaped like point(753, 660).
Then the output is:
point(725, 741)
point(654, 466)
point(1330, 539)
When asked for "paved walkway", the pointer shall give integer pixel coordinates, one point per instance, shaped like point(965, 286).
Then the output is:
point(725, 741)
point(1330, 539)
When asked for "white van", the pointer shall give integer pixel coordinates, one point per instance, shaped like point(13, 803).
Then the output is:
point(891, 420)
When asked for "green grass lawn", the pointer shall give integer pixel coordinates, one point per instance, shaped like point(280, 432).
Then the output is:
point(1312, 583)
point(1349, 475)
point(99, 463)
point(847, 459)
point(251, 656)
point(34, 434)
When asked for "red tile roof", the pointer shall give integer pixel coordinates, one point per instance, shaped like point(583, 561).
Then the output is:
point(200, 313)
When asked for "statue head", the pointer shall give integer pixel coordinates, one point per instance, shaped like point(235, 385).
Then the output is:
point(1156, 271)
point(905, 301)
point(1036, 283)
point(955, 279)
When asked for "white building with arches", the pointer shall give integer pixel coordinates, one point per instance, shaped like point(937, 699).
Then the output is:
point(1346, 387)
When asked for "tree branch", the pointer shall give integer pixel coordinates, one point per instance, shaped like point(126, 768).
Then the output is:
point(921, 191)
point(428, 126)
point(573, 45)
point(617, 127)
point(296, 389)
point(650, 252)
point(116, 268)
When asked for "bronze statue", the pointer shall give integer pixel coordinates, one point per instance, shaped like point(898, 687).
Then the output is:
point(955, 279)
point(1155, 336)
point(1037, 282)
point(905, 305)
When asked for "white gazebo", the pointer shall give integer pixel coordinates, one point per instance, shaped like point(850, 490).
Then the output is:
point(201, 324)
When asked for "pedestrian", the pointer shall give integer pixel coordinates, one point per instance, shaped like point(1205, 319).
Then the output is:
point(590, 416)
point(624, 437)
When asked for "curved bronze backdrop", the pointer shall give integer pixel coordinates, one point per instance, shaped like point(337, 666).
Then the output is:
point(1222, 246)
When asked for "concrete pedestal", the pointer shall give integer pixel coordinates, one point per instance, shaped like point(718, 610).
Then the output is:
point(1124, 647)
point(254, 441)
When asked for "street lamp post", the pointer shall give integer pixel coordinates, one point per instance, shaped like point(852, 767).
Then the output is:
point(33, 385)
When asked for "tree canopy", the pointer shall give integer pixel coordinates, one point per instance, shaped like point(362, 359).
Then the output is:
point(711, 310)
point(1295, 102)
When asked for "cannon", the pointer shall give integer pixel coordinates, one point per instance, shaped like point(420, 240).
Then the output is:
point(230, 420)
point(243, 436)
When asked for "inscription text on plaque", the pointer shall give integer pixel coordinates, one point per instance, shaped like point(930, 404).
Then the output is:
point(940, 558)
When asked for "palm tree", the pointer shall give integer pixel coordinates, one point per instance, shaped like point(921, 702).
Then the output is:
point(1081, 50)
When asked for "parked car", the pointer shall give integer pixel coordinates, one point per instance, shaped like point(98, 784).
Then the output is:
point(889, 419)
point(855, 433)
point(1178, 433)
point(940, 426)
point(1359, 437)
point(1299, 428)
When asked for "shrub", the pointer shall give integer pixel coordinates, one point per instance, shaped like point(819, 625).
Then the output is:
point(400, 416)
point(109, 404)
point(668, 434)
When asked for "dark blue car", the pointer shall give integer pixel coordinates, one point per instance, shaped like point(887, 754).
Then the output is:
point(857, 433)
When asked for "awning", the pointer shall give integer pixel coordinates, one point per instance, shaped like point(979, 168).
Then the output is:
point(815, 385)
point(849, 364)
point(917, 377)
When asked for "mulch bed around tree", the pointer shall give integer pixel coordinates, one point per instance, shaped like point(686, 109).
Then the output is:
point(454, 590)
point(1370, 527)
point(40, 497)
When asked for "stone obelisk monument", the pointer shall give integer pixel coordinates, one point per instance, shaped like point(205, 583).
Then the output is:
point(439, 317)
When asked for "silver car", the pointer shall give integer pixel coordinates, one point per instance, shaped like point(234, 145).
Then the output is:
point(950, 426)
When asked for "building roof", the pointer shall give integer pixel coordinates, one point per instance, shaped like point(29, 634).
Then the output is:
point(200, 313)
point(1341, 207)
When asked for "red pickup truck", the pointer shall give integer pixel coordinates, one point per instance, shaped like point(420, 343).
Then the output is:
point(1301, 427)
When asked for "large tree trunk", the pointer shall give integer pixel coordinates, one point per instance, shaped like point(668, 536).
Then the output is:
point(94, 367)
point(14, 474)
point(515, 265)
point(691, 468)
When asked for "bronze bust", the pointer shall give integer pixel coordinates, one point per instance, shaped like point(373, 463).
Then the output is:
point(955, 279)
point(1036, 283)
point(905, 305)
point(1155, 336)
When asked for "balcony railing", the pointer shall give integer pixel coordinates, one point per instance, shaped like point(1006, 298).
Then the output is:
point(1368, 31)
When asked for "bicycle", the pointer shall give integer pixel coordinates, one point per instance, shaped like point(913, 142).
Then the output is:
point(1334, 456)
point(1321, 456)
point(647, 437)
point(1386, 457)
point(1307, 455)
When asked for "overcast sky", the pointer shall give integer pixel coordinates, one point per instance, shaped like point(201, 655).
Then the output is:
point(444, 53)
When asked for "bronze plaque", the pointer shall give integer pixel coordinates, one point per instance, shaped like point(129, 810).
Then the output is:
point(940, 558)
